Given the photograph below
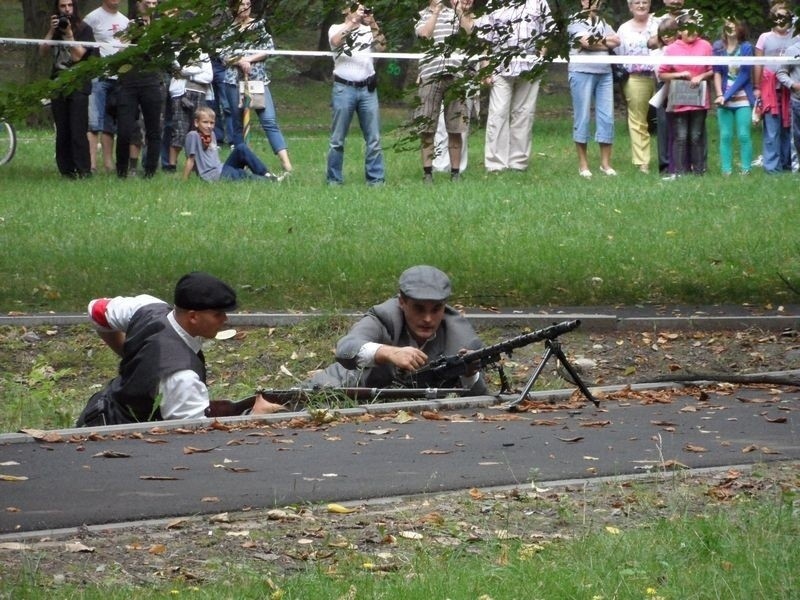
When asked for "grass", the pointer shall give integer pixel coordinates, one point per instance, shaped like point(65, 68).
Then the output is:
point(541, 237)
point(668, 541)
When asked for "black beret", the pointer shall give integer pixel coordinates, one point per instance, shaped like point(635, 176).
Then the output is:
point(201, 291)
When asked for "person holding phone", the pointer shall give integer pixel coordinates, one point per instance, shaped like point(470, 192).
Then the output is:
point(438, 22)
point(355, 92)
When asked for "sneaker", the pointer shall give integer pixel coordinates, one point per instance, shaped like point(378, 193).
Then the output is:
point(585, 173)
point(427, 179)
point(608, 171)
point(455, 176)
point(671, 177)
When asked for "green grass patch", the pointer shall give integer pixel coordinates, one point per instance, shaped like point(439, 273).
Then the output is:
point(739, 550)
point(541, 237)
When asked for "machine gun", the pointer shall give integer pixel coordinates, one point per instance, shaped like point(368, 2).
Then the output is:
point(450, 367)
point(295, 398)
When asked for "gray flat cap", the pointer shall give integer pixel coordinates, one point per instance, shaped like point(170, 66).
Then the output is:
point(425, 283)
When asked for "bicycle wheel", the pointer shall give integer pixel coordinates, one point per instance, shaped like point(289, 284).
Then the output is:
point(8, 142)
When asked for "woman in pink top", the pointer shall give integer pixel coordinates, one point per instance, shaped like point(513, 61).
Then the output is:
point(689, 117)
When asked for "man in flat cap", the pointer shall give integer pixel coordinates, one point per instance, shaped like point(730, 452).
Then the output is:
point(403, 334)
point(162, 374)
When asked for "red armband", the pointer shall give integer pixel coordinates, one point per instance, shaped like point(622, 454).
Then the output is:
point(99, 312)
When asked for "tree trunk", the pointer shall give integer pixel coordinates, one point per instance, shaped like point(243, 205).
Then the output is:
point(321, 67)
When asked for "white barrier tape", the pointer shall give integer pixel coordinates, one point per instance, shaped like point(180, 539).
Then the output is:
point(28, 42)
point(592, 59)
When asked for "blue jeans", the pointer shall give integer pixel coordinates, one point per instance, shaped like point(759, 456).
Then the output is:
point(777, 151)
point(266, 116)
point(99, 119)
point(223, 128)
point(345, 101)
point(585, 87)
point(240, 157)
point(269, 123)
point(796, 124)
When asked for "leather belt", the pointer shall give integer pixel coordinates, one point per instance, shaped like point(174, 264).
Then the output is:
point(356, 84)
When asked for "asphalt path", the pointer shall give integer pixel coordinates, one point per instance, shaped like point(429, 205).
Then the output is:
point(125, 475)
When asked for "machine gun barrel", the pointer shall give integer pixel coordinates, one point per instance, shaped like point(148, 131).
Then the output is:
point(448, 367)
point(295, 397)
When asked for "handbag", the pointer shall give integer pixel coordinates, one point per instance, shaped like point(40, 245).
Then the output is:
point(681, 93)
point(255, 90)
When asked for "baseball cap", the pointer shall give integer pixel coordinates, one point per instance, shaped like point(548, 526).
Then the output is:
point(423, 282)
point(201, 291)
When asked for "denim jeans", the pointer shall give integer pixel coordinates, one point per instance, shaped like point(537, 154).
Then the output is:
point(239, 158)
point(345, 101)
point(585, 88)
point(777, 151)
point(266, 116)
point(796, 124)
point(223, 128)
point(99, 119)
point(689, 139)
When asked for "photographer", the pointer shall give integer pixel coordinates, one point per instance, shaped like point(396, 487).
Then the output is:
point(437, 22)
point(355, 91)
point(71, 106)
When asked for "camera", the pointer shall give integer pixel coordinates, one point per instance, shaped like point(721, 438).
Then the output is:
point(63, 22)
point(367, 11)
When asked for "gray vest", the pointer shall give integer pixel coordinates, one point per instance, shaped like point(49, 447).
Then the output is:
point(153, 350)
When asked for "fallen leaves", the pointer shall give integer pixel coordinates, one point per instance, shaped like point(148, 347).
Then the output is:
point(694, 448)
point(111, 454)
point(339, 509)
point(193, 450)
point(775, 420)
point(762, 449)
point(39, 435)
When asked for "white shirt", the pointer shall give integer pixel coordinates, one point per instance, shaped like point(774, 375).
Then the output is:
point(106, 26)
point(519, 28)
point(183, 394)
point(197, 72)
point(356, 64)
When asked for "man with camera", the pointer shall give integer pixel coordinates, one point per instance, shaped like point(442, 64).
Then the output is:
point(355, 91)
point(71, 106)
point(438, 22)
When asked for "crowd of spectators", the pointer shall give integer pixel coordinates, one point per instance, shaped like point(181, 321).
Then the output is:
point(151, 111)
